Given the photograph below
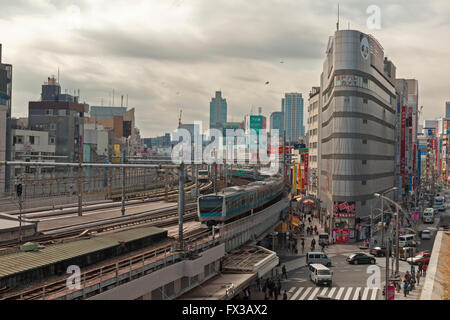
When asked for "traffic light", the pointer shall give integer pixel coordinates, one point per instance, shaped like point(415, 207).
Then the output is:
point(19, 190)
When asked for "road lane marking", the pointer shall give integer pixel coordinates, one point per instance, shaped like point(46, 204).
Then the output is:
point(347, 295)
point(356, 295)
point(339, 294)
point(374, 294)
point(305, 293)
point(366, 292)
point(291, 290)
point(313, 294)
point(296, 294)
point(331, 292)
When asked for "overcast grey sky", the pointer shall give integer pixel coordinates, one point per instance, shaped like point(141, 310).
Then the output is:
point(172, 54)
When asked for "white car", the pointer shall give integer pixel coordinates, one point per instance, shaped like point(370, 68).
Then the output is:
point(426, 234)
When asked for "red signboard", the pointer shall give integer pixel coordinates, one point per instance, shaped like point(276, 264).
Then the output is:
point(280, 150)
point(306, 168)
point(403, 142)
point(344, 209)
point(340, 235)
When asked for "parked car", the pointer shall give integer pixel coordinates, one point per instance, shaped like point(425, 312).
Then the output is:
point(360, 258)
point(422, 257)
point(378, 251)
point(426, 234)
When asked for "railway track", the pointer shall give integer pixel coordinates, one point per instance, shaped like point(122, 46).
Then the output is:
point(136, 198)
point(59, 288)
point(160, 219)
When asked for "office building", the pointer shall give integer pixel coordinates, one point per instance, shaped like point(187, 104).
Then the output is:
point(64, 120)
point(292, 108)
point(276, 122)
point(313, 138)
point(5, 121)
point(357, 123)
point(217, 111)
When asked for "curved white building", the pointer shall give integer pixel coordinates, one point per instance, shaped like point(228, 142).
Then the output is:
point(357, 123)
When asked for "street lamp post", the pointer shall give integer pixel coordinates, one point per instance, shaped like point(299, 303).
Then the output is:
point(382, 212)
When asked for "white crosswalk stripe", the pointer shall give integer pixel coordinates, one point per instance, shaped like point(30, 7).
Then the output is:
point(296, 293)
point(366, 292)
point(313, 294)
point(356, 295)
point(339, 294)
point(344, 293)
point(305, 294)
point(331, 292)
point(374, 294)
point(347, 294)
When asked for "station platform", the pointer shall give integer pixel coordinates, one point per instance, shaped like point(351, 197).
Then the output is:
point(10, 228)
point(73, 219)
point(24, 267)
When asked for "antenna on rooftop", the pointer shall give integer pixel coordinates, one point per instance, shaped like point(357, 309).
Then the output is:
point(337, 23)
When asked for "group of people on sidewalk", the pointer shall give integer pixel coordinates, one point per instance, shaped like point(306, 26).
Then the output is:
point(272, 285)
point(410, 279)
point(303, 230)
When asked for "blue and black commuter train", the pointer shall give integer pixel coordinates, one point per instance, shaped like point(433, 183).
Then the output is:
point(235, 202)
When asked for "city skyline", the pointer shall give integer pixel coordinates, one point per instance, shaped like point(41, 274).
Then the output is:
point(96, 52)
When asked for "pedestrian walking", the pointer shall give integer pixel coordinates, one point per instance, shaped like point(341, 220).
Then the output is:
point(405, 288)
point(283, 271)
point(258, 283)
point(407, 276)
point(315, 230)
point(418, 278)
point(424, 270)
point(420, 268)
point(289, 246)
point(285, 295)
point(303, 245)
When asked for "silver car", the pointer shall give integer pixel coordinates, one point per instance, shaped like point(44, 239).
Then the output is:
point(426, 234)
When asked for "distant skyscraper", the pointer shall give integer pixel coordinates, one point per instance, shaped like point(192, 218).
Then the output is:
point(447, 109)
point(5, 120)
point(276, 122)
point(292, 108)
point(217, 111)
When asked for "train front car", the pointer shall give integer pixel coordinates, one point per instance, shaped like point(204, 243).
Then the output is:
point(210, 209)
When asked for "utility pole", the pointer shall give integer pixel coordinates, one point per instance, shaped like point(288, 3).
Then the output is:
point(19, 195)
point(387, 252)
point(181, 204)
point(196, 181)
point(215, 177)
point(123, 181)
point(166, 187)
point(284, 158)
point(80, 176)
point(397, 233)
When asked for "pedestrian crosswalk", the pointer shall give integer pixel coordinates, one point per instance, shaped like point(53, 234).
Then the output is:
point(348, 293)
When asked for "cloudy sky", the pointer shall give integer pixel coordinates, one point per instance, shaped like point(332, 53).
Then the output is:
point(172, 54)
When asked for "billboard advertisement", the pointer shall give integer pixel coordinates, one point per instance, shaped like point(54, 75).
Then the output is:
point(344, 209)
